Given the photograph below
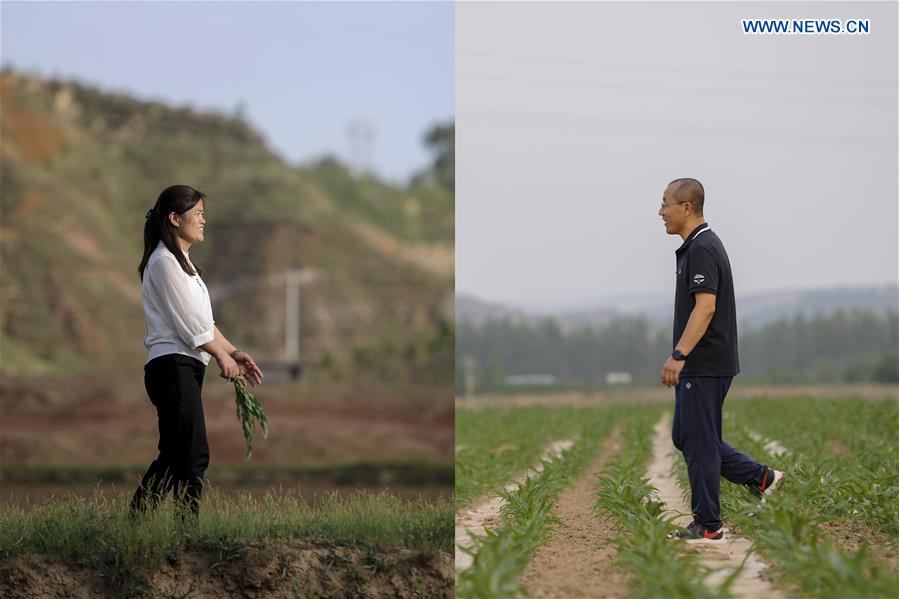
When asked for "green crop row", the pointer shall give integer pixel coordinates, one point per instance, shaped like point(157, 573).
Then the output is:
point(501, 556)
point(495, 445)
point(843, 456)
point(785, 528)
point(657, 567)
point(840, 425)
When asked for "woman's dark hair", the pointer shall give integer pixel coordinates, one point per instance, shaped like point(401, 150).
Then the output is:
point(178, 199)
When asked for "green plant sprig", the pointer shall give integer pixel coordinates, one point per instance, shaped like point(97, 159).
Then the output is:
point(249, 412)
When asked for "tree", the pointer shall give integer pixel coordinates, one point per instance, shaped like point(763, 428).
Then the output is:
point(441, 142)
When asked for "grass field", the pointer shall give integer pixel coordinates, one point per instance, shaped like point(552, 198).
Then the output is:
point(832, 532)
point(355, 542)
point(351, 492)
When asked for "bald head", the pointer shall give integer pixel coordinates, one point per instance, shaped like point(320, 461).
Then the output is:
point(688, 190)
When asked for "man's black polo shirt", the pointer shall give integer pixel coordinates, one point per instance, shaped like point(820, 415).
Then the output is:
point(702, 265)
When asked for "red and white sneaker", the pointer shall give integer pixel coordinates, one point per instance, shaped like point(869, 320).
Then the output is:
point(697, 533)
point(772, 481)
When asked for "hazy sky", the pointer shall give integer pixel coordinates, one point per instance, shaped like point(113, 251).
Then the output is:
point(305, 70)
point(572, 118)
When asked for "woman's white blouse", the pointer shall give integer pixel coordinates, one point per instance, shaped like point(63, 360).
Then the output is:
point(177, 308)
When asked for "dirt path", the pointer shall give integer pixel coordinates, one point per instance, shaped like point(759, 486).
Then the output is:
point(481, 514)
point(771, 446)
point(573, 563)
point(726, 558)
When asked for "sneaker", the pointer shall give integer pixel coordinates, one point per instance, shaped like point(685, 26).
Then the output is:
point(697, 533)
point(772, 480)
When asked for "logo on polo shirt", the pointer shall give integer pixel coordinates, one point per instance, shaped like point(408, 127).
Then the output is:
point(698, 279)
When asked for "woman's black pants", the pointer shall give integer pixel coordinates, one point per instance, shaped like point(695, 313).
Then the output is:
point(174, 383)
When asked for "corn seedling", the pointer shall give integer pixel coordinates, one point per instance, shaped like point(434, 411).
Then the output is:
point(249, 412)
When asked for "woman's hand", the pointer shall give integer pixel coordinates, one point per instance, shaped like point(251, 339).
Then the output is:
point(248, 368)
point(230, 368)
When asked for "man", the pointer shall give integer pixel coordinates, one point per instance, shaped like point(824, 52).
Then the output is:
point(703, 363)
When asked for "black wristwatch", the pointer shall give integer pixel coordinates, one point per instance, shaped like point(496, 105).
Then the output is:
point(677, 355)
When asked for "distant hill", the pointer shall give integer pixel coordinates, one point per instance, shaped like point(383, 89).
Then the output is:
point(474, 311)
point(80, 168)
point(759, 310)
point(754, 310)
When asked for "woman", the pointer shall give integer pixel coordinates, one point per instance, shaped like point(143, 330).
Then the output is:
point(181, 339)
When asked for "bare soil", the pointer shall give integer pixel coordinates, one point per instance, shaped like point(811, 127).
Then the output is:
point(836, 448)
point(259, 570)
point(90, 421)
point(850, 537)
point(577, 561)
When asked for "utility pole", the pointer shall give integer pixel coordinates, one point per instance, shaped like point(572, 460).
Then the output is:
point(293, 279)
point(468, 370)
point(361, 136)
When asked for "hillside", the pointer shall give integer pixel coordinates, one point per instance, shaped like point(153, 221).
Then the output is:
point(80, 168)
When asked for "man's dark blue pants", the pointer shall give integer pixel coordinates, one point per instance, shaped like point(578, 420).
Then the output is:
point(696, 432)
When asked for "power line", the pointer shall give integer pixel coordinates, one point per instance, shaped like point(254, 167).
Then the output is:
point(596, 84)
point(680, 129)
point(671, 69)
